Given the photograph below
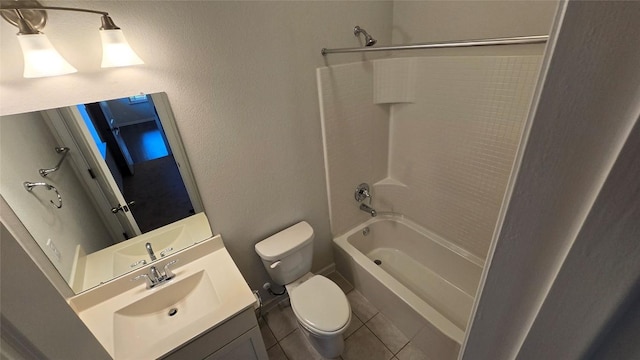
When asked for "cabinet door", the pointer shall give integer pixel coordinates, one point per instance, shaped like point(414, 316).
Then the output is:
point(216, 339)
point(248, 346)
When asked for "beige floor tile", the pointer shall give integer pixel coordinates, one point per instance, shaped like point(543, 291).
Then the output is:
point(360, 306)
point(353, 326)
point(276, 353)
point(390, 335)
point(340, 281)
point(282, 321)
point(363, 345)
point(296, 347)
point(411, 352)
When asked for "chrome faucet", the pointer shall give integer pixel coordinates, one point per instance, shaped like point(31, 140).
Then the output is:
point(362, 194)
point(154, 274)
point(155, 277)
point(150, 251)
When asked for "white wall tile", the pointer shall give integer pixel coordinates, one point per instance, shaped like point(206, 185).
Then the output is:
point(454, 147)
point(394, 81)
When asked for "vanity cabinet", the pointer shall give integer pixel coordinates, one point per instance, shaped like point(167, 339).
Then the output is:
point(238, 338)
point(249, 346)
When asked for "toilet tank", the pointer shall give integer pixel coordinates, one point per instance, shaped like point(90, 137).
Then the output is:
point(288, 254)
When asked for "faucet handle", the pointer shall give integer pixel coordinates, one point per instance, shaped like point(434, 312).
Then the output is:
point(362, 192)
point(150, 282)
point(143, 262)
point(168, 274)
point(165, 251)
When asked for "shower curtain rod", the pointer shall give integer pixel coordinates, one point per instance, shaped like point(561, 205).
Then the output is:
point(534, 39)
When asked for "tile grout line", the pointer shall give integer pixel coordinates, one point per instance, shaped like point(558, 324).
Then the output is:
point(281, 350)
point(288, 334)
point(377, 337)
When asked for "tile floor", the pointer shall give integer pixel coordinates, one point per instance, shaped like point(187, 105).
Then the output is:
point(370, 335)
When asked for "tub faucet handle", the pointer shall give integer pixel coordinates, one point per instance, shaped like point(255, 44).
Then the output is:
point(362, 192)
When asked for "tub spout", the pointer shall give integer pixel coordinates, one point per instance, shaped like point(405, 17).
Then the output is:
point(369, 209)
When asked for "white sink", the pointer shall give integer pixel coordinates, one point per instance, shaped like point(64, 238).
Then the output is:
point(172, 307)
point(133, 322)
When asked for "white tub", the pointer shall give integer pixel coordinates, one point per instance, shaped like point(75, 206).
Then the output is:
point(423, 284)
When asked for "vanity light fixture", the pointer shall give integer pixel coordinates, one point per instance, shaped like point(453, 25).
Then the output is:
point(40, 57)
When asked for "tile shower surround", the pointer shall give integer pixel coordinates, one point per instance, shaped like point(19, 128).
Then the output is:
point(450, 151)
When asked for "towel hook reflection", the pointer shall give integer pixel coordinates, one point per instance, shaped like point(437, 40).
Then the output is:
point(60, 150)
point(30, 185)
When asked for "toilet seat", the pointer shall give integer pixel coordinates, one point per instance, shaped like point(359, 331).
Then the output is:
point(320, 306)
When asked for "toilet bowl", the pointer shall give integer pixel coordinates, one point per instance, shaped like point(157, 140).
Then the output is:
point(323, 313)
point(321, 308)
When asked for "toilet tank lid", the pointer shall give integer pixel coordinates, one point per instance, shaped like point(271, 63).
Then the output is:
point(281, 244)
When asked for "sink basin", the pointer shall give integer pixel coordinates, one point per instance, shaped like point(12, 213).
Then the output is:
point(133, 322)
point(164, 311)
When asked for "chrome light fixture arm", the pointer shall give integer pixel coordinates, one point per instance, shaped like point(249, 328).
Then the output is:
point(55, 8)
point(24, 26)
point(36, 16)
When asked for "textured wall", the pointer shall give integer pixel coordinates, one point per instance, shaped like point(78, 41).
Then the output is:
point(33, 307)
point(240, 77)
point(425, 21)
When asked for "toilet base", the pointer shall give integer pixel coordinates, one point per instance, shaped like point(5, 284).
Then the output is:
point(329, 347)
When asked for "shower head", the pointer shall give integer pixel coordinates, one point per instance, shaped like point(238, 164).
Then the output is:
point(368, 40)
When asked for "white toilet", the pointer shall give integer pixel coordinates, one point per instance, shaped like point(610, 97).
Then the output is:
point(320, 306)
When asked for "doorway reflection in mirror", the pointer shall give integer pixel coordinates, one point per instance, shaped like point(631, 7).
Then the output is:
point(133, 144)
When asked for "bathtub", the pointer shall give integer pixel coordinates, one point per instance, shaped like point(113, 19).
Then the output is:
point(422, 283)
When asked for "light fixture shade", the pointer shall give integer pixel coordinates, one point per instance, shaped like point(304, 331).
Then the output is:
point(116, 50)
point(41, 58)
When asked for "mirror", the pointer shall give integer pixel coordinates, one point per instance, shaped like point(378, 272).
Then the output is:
point(89, 180)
